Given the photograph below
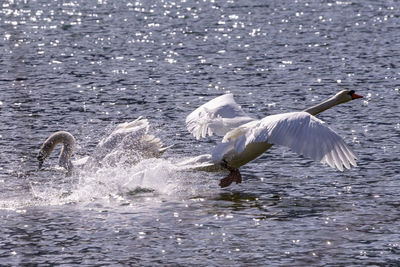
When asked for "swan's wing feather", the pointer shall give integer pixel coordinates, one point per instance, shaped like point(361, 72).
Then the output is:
point(302, 133)
point(136, 128)
point(217, 116)
point(131, 138)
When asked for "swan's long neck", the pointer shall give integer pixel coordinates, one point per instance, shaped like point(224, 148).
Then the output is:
point(68, 142)
point(327, 104)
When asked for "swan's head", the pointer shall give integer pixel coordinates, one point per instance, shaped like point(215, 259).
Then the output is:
point(346, 95)
point(45, 151)
point(42, 155)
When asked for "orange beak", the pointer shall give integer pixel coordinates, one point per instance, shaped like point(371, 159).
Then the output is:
point(355, 96)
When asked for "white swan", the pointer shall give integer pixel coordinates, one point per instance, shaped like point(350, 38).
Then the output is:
point(245, 138)
point(127, 144)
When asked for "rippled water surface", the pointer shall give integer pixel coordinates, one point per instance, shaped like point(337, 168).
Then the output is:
point(85, 66)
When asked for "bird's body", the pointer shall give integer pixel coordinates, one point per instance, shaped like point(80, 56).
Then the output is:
point(127, 144)
point(242, 143)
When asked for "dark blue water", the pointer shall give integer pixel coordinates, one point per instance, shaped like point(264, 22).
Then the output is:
point(85, 66)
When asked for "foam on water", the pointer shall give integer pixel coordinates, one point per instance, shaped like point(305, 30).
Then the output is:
point(150, 179)
point(125, 164)
point(158, 175)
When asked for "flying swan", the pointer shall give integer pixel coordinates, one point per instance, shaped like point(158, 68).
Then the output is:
point(128, 143)
point(246, 138)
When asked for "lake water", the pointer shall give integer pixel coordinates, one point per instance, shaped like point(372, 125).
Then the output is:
point(85, 66)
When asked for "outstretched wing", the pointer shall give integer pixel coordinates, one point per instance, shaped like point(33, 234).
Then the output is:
point(217, 116)
point(135, 129)
point(130, 137)
point(301, 132)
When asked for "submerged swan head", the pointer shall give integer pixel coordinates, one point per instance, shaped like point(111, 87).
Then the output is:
point(68, 142)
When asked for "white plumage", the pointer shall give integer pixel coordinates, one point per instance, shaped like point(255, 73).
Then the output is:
point(130, 137)
point(129, 143)
point(218, 116)
point(245, 138)
point(301, 132)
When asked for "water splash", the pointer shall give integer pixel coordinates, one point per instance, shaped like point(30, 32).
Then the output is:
point(124, 165)
point(157, 175)
point(151, 180)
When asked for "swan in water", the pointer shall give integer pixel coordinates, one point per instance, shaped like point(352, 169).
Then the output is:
point(246, 138)
point(127, 144)
point(68, 145)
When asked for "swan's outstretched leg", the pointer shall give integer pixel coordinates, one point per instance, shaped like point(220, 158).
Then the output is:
point(233, 176)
